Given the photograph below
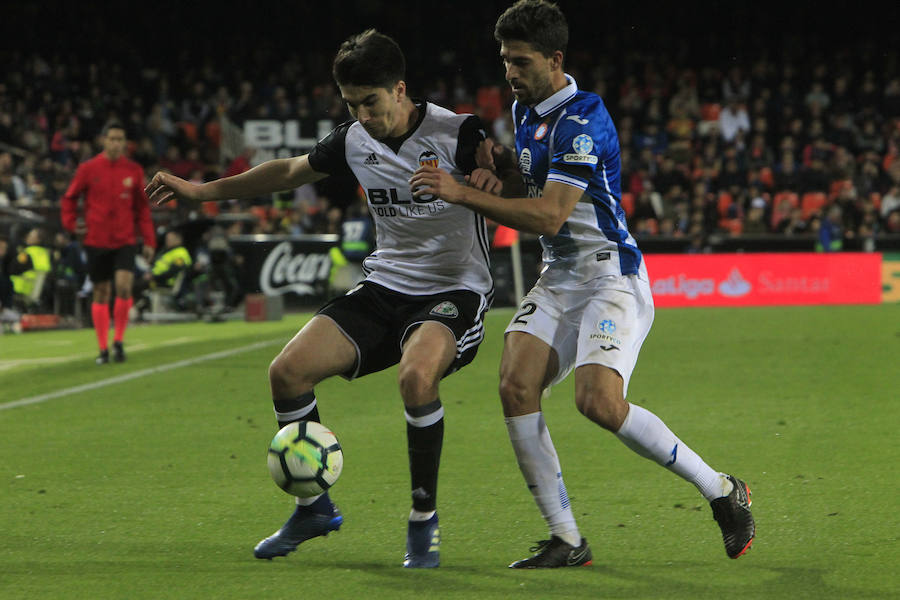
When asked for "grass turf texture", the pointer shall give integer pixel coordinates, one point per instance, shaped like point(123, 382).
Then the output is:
point(157, 487)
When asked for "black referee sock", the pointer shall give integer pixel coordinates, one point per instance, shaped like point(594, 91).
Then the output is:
point(425, 438)
point(301, 408)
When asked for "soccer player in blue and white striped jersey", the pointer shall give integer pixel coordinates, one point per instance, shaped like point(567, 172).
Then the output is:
point(592, 307)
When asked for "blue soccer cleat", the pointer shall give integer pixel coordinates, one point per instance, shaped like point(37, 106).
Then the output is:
point(303, 525)
point(423, 543)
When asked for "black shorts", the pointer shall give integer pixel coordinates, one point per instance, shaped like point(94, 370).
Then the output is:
point(378, 321)
point(102, 263)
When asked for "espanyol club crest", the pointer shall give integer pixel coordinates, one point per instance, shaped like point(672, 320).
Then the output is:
point(445, 309)
point(428, 158)
point(541, 131)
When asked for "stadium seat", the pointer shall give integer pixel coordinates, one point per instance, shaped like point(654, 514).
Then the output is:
point(812, 203)
point(724, 204)
point(767, 177)
point(628, 203)
point(710, 111)
point(837, 187)
point(489, 102)
point(791, 197)
point(733, 226)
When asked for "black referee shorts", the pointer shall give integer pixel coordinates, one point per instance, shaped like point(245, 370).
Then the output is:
point(102, 263)
point(378, 321)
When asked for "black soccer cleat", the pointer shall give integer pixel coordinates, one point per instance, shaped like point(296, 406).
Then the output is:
point(118, 352)
point(303, 525)
point(553, 553)
point(102, 358)
point(732, 513)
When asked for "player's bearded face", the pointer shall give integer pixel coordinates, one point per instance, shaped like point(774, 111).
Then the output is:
point(527, 71)
point(376, 108)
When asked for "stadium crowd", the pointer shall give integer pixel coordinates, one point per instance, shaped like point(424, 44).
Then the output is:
point(795, 138)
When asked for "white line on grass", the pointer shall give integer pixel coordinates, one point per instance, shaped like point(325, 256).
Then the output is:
point(135, 375)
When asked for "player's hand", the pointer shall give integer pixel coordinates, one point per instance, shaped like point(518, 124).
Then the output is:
point(438, 182)
point(496, 157)
point(486, 181)
point(165, 187)
point(484, 155)
point(147, 252)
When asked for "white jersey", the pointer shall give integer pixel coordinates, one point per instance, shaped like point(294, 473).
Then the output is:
point(423, 245)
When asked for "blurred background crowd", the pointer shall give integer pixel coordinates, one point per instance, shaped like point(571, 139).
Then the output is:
point(736, 119)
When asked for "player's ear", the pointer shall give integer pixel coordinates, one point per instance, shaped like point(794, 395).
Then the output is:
point(399, 90)
point(556, 60)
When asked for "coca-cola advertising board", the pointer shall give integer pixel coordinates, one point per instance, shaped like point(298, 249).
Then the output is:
point(765, 279)
point(296, 267)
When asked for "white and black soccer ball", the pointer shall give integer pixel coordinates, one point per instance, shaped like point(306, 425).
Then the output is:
point(305, 458)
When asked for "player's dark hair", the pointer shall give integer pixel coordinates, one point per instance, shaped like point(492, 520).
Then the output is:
point(111, 125)
point(369, 59)
point(537, 22)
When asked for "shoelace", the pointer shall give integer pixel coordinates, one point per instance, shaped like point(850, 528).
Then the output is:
point(539, 545)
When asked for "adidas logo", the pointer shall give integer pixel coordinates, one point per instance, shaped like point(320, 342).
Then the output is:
point(371, 160)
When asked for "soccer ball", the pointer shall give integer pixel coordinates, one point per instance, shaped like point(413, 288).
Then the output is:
point(305, 458)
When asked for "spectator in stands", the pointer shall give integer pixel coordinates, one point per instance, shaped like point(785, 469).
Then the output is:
point(33, 266)
point(813, 178)
point(12, 187)
point(7, 313)
point(69, 268)
point(786, 176)
point(890, 202)
point(892, 224)
point(831, 232)
point(171, 268)
point(733, 119)
point(754, 223)
point(794, 223)
point(817, 98)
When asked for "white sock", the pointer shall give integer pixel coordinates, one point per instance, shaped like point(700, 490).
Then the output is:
point(539, 464)
point(647, 435)
point(417, 515)
point(306, 501)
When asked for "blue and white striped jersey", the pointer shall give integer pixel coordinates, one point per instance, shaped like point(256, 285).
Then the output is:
point(570, 138)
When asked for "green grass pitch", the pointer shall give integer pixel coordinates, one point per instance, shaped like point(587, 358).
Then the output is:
point(154, 484)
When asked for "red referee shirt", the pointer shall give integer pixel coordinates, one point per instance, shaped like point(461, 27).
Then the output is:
point(116, 209)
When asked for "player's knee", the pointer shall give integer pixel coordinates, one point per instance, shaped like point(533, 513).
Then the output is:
point(606, 410)
point(287, 376)
point(417, 383)
point(516, 395)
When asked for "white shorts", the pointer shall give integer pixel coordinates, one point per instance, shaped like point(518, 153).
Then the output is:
point(603, 322)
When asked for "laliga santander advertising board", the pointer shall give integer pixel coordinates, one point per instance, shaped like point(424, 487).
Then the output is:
point(765, 279)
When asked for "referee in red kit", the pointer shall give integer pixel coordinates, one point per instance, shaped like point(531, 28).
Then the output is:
point(115, 211)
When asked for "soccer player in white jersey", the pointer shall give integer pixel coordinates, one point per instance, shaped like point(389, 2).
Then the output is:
point(427, 283)
point(591, 308)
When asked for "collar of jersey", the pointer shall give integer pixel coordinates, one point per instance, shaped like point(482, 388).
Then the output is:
point(552, 103)
point(395, 143)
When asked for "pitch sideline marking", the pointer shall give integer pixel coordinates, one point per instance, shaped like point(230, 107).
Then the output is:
point(135, 375)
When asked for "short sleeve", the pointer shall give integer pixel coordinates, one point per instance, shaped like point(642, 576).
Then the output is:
point(329, 155)
point(471, 134)
point(579, 146)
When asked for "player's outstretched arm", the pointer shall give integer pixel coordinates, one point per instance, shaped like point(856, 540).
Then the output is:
point(544, 215)
point(269, 177)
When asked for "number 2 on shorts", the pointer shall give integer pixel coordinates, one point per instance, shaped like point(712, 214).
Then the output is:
point(528, 308)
